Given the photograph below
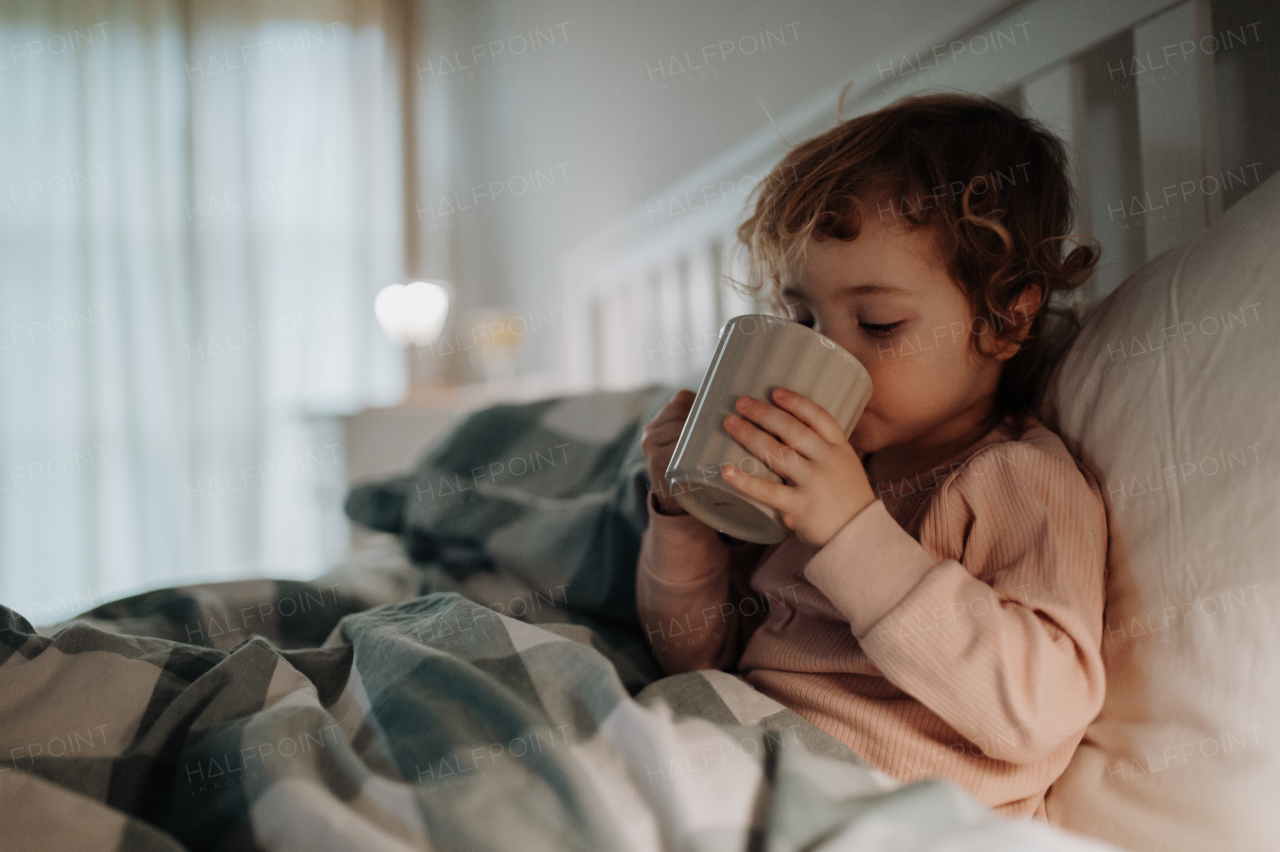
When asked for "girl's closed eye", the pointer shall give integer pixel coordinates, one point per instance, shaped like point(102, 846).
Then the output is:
point(880, 329)
point(806, 318)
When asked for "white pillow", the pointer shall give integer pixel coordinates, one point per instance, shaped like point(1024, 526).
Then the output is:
point(1171, 396)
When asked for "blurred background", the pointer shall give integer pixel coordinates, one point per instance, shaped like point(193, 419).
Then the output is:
point(201, 201)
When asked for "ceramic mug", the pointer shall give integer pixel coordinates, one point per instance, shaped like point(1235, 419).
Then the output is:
point(755, 354)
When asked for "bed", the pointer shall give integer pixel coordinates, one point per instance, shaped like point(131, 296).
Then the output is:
point(1167, 398)
point(474, 676)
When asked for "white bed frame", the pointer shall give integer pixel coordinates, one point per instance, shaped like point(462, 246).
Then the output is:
point(644, 293)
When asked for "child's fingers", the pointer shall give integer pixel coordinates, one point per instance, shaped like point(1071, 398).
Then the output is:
point(811, 414)
point(683, 398)
point(678, 407)
point(781, 459)
point(772, 494)
point(790, 431)
point(666, 433)
point(674, 418)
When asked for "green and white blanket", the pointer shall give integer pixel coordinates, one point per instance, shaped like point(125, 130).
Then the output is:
point(493, 692)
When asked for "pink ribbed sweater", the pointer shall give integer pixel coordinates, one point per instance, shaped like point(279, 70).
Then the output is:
point(951, 628)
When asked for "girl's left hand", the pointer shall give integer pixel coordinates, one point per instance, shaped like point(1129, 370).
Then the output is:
point(824, 484)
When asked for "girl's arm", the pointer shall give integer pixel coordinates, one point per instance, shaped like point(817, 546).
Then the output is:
point(688, 583)
point(1012, 660)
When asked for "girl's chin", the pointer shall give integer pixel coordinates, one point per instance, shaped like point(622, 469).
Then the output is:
point(866, 438)
point(859, 444)
point(860, 435)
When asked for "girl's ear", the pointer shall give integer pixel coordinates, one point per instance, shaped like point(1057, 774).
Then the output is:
point(1023, 314)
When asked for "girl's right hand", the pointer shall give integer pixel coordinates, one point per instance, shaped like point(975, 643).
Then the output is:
point(658, 440)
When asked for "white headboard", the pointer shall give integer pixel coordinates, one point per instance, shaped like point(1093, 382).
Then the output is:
point(646, 291)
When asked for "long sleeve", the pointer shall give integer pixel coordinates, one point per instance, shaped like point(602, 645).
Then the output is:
point(688, 583)
point(1003, 642)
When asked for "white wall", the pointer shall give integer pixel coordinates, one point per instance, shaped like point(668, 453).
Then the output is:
point(602, 112)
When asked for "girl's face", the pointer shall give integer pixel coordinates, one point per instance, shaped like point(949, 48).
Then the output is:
point(888, 298)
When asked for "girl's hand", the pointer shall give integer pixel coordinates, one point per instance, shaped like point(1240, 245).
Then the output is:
point(659, 439)
point(824, 484)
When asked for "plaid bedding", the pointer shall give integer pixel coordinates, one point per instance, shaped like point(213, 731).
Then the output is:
point(434, 723)
point(534, 508)
point(488, 693)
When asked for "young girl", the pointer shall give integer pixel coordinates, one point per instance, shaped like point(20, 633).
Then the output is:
point(939, 606)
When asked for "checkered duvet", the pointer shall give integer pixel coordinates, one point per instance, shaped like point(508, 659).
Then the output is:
point(474, 679)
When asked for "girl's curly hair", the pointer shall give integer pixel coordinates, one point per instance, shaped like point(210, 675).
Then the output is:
point(992, 184)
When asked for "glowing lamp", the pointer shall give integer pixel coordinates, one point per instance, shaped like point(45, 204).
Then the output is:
point(413, 313)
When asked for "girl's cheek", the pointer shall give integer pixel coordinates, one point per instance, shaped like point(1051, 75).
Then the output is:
point(924, 359)
point(884, 389)
point(877, 364)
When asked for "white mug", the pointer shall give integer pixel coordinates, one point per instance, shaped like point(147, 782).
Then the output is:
point(755, 354)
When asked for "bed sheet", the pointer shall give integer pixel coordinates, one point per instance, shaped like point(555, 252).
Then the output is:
point(431, 723)
point(473, 678)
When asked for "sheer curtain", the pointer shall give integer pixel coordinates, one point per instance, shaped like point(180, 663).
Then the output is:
point(198, 203)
